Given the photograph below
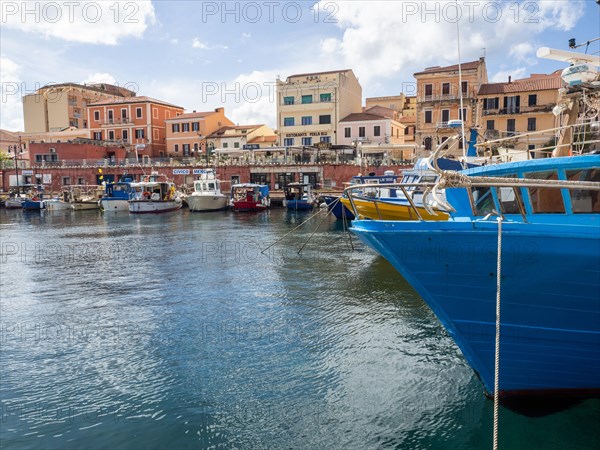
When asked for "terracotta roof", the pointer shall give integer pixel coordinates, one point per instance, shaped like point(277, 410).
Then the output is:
point(464, 66)
point(193, 115)
point(221, 131)
point(6, 135)
point(360, 117)
point(126, 100)
point(259, 139)
point(407, 119)
point(534, 83)
point(382, 111)
point(319, 73)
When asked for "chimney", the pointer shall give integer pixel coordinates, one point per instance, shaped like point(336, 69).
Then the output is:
point(509, 78)
point(194, 110)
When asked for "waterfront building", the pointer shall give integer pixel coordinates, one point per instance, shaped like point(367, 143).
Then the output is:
point(310, 106)
point(187, 134)
point(438, 101)
point(56, 107)
point(236, 138)
point(520, 106)
point(138, 123)
point(403, 104)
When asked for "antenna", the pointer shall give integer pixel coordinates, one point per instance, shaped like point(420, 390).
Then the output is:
point(565, 56)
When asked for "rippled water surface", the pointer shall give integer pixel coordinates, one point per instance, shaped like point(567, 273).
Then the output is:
point(175, 331)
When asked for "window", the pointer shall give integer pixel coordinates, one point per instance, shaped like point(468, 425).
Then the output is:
point(66, 181)
point(155, 134)
point(125, 135)
point(428, 90)
point(512, 104)
point(138, 113)
point(325, 119)
point(445, 88)
point(186, 149)
point(325, 98)
point(428, 116)
point(583, 200)
point(465, 87)
point(376, 130)
point(361, 131)
point(96, 116)
point(225, 144)
point(110, 116)
point(111, 135)
point(427, 143)
point(306, 141)
point(532, 99)
point(185, 127)
point(176, 148)
point(195, 126)
point(97, 135)
point(196, 147)
point(545, 200)
point(167, 114)
point(288, 121)
point(155, 113)
point(462, 114)
point(288, 142)
point(81, 181)
point(489, 125)
point(325, 138)
point(307, 120)
point(491, 103)
point(123, 113)
point(288, 100)
point(347, 132)
point(236, 145)
point(307, 99)
point(445, 115)
point(531, 124)
point(510, 127)
point(139, 133)
point(175, 128)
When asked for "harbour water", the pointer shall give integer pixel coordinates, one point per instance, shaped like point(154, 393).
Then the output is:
point(175, 331)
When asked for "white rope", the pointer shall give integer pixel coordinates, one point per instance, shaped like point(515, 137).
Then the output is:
point(497, 350)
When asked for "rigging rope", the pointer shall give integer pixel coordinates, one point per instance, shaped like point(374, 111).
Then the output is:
point(497, 349)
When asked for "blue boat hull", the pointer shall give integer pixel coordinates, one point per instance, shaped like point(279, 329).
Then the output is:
point(295, 205)
point(337, 208)
point(34, 205)
point(550, 307)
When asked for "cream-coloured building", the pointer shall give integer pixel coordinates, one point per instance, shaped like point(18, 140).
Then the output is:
point(439, 91)
point(57, 107)
point(240, 137)
point(187, 134)
point(310, 106)
point(404, 105)
point(517, 107)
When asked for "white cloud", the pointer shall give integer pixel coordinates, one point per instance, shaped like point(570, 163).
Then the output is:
point(245, 37)
point(502, 75)
point(197, 43)
point(100, 78)
point(174, 41)
point(523, 52)
point(86, 22)
point(11, 107)
point(383, 39)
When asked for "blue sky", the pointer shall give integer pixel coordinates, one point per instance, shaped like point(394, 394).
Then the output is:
point(201, 55)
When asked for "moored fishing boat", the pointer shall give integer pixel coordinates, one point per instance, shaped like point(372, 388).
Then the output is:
point(550, 273)
point(207, 195)
point(246, 197)
point(116, 195)
point(299, 196)
point(83, 198)
point(153, 196)
point(16, 201)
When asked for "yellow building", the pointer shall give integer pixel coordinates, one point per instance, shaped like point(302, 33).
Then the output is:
point(187, 134)
point(438, 101)
point(57, 107)
point(404, 105)
point(517, 107)
point(310, 106)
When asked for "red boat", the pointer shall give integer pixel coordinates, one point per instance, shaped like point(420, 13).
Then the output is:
point(250, 197)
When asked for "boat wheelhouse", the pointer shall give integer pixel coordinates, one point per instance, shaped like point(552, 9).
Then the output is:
point(154, 197)
point(246, 197)
point(207, 195)
point(116, 195)
point(299, 196)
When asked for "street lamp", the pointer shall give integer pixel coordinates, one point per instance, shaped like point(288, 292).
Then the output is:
point(17, 151)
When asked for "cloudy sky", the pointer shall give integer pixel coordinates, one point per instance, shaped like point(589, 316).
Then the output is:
point(201, 55)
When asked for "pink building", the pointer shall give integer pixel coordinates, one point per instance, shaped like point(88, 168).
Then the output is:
point(370, 127)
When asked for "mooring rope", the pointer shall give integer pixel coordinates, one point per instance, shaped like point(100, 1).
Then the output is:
point(497, 349)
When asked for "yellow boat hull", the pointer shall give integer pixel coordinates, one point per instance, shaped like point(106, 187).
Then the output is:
point(390, 211)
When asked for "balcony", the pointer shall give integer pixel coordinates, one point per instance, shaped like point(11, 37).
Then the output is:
point(518, 110)
point(117, 122)
point(442, 97)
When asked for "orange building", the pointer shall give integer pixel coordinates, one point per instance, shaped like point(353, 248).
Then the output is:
point(187, 133)
point(438, 100)
point(139, 123)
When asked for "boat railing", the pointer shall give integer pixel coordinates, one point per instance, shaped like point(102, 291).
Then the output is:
point(452, 179)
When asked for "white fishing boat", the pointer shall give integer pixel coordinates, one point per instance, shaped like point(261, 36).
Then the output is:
point(207, 195)
point(16, 202)
point(85, 197)
point(154, 197)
